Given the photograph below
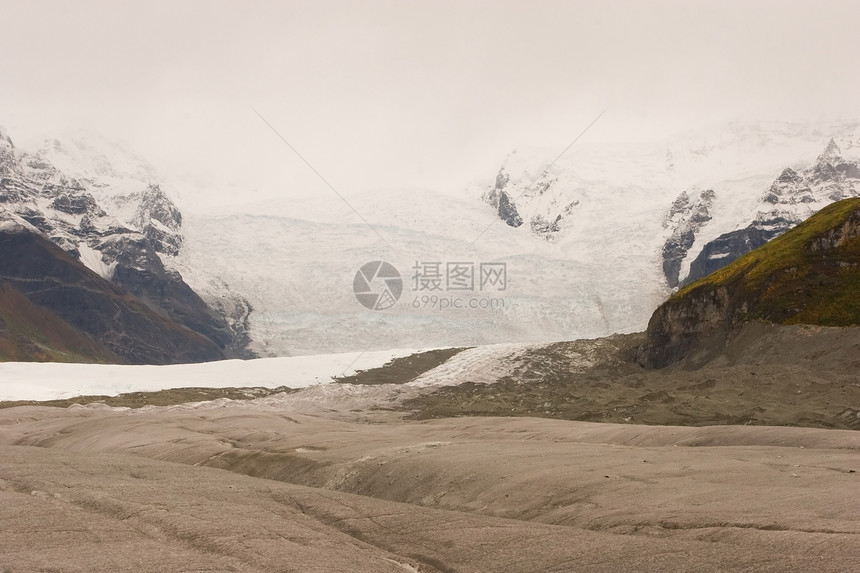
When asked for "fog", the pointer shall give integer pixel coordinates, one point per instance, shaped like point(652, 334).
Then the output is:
point(407, 93)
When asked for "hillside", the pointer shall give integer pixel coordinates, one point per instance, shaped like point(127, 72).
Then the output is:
point(106, 208)
point(809, 275)
point(591, 243)
point(31, 333)
point(793, 197)
point(54, 308)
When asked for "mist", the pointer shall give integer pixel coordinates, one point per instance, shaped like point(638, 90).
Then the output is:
point(387, 94)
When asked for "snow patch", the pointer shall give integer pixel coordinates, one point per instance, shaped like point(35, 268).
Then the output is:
point(92, 259)
point(52, 381)
point(12, 223)
point(480, 365)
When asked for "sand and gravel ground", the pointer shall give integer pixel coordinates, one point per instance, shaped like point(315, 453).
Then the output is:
point(244, 489)
point(343, 477)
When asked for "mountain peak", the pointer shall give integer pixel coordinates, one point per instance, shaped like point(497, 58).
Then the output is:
point(831, 152)
point(7, 150)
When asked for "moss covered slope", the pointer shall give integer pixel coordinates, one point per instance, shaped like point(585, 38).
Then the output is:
point(809, 275)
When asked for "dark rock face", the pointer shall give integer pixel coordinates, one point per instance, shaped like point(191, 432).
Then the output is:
point(807, 275)
point(167, 291)
point(159, 220)
point(140, 270)
point(788, 183)
point(791, 198)
point(29, 332)
point(686, 216)
point(50, 278)
point(674, 250)
point(76, 204)
point(679, 326)
point(838, 236)
point(727, 248)
point(508, 212)
point(128, 251)
point(498, 198)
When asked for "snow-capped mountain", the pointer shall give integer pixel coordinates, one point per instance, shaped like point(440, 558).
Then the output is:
point(711, 183)
point(582, 246)
point(792, 198)
point(549, 197)
point(104, 206)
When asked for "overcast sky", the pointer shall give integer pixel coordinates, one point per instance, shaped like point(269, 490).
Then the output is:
point(410, 93)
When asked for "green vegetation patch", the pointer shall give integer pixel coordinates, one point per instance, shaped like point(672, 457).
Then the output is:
point(788, 281)
point(29, 332)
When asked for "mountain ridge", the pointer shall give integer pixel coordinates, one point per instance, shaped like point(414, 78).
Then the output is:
point(68, 303)
point(793, 196)
point(106, 208)
point(808, 275)
point(591, 240)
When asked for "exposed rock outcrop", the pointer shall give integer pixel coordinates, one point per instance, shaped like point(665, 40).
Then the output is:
point(498, 198)
point(809, 275)
point(541, 200)
point(159, 220)
point(111, 317)
point(686, 217)
point(792, 198)
point(117, 222)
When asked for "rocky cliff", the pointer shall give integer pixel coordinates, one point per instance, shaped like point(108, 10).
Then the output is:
point(809, 275)
point(110, 213)
point(791, 198)
point(55, 308)
point(688, 214)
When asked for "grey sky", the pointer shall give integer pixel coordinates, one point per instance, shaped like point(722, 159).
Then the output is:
point(410, 93)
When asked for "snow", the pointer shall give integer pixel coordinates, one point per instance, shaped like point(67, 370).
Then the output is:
point(12, 223)
point(479, 365)
point(10, 226)
point(740, 161)
point(84, 154)
point(50, 381)
point(93, 260)
point(293, 260)
point(717, 256)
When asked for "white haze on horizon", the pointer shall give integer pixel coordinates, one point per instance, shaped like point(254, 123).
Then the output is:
point(407, 94)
